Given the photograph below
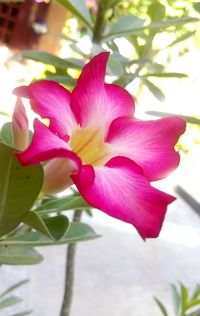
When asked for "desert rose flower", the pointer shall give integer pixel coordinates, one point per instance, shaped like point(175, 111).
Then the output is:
point(95, 142)
point(20, 128)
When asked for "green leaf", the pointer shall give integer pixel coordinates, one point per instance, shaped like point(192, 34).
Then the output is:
point(53, 227)
point(192, 303)
point(19, 188)
point(12, 300)
point(51, 59)
point(13, 287)
point(62, 204)
point(66, 79)
point(79, 9)
point(184, 296)
point(196, 292)
point(181, 38)
point(196, 6)
point(75, 62)
point(6, 134)
point(76, 49)
point(114, 66)
point(171, 22)
point(126, 24)
point(154, 89)
point(23, 313)
point(166, 75)
point(18, 255)
point(76, 233)
point(152, 26)
point(161, 307)
point(5, 114)
point(188, 119)
point(176, 299)
point(156, 11)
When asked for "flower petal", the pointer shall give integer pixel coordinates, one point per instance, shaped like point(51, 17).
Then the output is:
point(44, 146)
point(121, 190)
point(50, 100)
point(149, 143)
point(95, 103)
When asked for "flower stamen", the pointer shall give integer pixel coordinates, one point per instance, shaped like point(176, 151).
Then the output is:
point(89, 145)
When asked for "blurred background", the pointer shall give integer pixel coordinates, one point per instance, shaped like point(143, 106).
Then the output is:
point(155, 55)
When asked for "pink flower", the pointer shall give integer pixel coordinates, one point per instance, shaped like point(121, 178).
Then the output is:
point(20, 128)
point(96, 143)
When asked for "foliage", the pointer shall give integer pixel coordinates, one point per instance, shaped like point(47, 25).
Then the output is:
point(25, 214)
point(185, 303)
point(141, 24)
point(7, 300)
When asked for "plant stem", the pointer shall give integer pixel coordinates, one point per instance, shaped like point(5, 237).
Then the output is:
point(99, 24)
point(69, 272)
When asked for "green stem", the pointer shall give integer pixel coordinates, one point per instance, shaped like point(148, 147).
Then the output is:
point(69, 273)
point(99, 24)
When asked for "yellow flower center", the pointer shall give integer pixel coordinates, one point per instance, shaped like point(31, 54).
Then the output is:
point(89, 145)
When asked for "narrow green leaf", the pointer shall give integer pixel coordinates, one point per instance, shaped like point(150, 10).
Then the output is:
point(66, 79)
point(114, 66)
point(62, 204)
point(152, 26)
point(5, 114)
point(78, 8)
point(23, 313)
point(196, 292)
point(76, 49)
point(176, 299)
point(51, 59)
point(166, 75)
point(161, 307)
point(192, 303)
point(75, 62)
point(188, 119)
point(76, 233)
point(18, 255)
point(181, 38)
point(52, 227)
point(172, 22)
point(184, 296)
point(19, 188)
point(13, 287)
point(128, 23)
point(12, 300)
point(154, 89)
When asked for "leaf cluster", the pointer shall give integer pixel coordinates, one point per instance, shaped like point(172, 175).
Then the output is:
point(185, 303)
point(28, 218)
point(141, 23)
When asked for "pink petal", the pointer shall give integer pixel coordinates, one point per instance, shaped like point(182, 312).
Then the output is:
point(46, 145)
point(50, 100)
point(149, 143)
point(121, 190)
point(95, 103)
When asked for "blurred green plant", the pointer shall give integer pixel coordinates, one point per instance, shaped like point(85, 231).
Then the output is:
point(149, 28)
point(28, 220)
point(184, 301)
point(7, 300)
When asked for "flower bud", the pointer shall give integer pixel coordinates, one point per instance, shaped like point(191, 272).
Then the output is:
point(20, 126)
point(57, 174)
